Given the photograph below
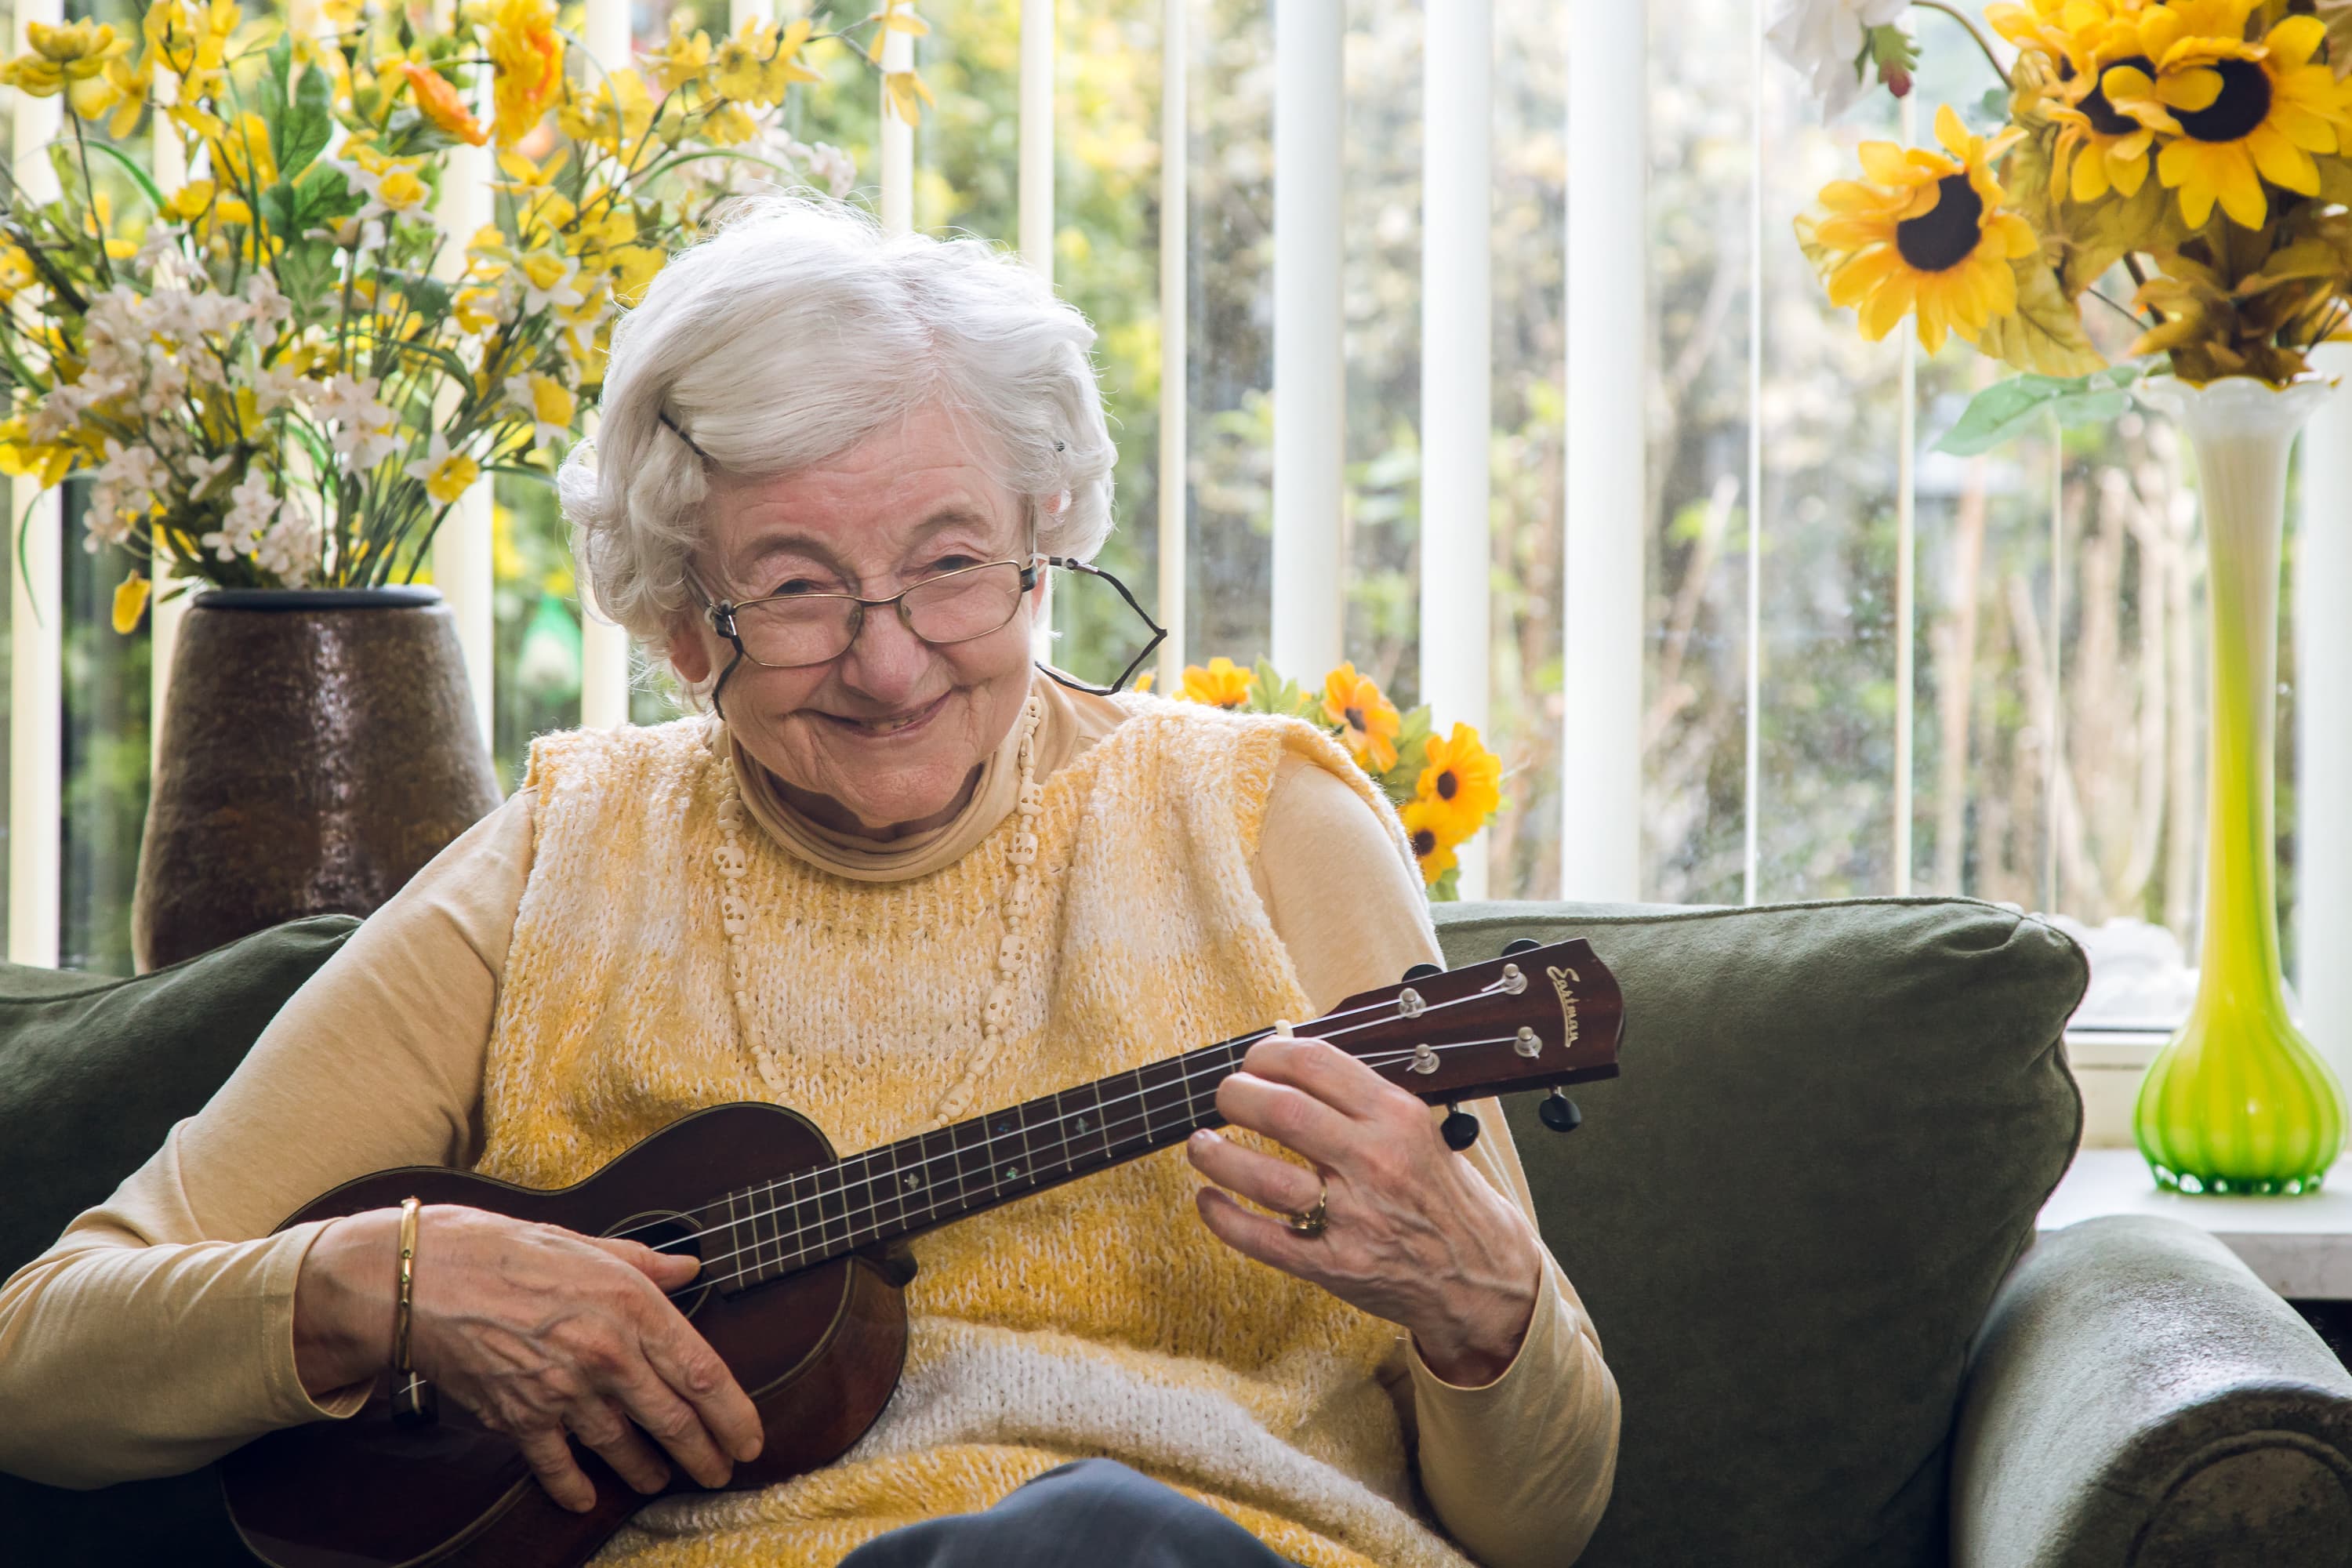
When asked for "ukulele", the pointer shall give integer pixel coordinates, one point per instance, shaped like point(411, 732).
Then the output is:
point(804, 1258)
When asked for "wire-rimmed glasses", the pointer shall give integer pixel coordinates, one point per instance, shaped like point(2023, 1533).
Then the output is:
point(791, 631)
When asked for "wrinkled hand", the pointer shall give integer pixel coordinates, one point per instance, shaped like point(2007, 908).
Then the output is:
point(539, 1332)
point(1413, 1233)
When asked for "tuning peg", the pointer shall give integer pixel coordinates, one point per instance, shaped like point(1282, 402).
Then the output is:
point(1519, 945)
point(1559, 1113)
point(1421, 972)
point(1461, 1128)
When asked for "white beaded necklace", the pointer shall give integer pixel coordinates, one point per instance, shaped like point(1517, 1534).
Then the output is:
point(1011, 947)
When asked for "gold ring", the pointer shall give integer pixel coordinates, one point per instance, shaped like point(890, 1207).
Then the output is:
point(1312, 1222)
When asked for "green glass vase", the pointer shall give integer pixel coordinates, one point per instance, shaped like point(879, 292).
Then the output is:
point(2239, 1101)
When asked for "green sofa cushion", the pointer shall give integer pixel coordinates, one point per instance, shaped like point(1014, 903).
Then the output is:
point(94, 1069)
point(1834, 1127)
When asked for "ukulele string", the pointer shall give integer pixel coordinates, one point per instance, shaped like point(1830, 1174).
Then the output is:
point(1187, 1080)
point(868, 1160)
point(753, 1194)
point(874, 1210)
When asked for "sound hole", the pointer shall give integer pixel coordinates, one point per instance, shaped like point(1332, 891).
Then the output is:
point(669, 1231)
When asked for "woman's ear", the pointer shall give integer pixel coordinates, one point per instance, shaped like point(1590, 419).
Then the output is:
point(687, 654)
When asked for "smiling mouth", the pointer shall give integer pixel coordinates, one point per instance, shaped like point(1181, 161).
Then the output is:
point(890, 723)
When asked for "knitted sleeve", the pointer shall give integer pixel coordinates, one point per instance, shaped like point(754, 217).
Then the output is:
point(1353, 917)
point(157, 1333)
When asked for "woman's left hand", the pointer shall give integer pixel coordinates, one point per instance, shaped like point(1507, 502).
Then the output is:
point(1412, 1233)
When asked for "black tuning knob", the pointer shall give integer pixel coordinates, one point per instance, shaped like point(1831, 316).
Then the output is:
point(1461, 1128)
point(1559, 1113)
point(1421, 972)
point(1519, 945)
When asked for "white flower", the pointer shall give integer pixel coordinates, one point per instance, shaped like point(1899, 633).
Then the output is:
point(159, 252)
point(394, 190)
point(203, 471)
point(275, 387)
point(1823, 40)
point(835, 168)
point(268, 308)
point(547, 280)
point(364, 448)
point(350, 400)
point(289, 550)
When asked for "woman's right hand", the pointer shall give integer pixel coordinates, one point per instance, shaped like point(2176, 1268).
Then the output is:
point(536, 1330)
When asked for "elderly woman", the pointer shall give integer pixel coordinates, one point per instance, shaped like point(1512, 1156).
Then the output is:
point(895, 874)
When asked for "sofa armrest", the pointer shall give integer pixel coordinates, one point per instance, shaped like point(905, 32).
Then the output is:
point(2137, 1399)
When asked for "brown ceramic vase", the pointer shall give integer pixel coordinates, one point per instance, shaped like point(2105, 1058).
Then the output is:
point(319, 747)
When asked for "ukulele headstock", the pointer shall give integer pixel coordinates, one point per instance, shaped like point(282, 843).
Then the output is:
point(1537, 1017)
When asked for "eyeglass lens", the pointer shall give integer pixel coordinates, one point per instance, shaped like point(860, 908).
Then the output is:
point(956, 606)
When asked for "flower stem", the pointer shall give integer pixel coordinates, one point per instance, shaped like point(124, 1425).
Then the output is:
point(1983, 43)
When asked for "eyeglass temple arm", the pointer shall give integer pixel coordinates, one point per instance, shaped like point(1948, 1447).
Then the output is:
point(1158, 632)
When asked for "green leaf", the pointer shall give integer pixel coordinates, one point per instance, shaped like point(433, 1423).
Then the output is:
point(1270, 693)
point(305, 130)
point(2008, 407)
point(1447, 888)
point(139, 175)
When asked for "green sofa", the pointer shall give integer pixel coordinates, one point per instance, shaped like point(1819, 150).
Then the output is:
point(1801, 1220)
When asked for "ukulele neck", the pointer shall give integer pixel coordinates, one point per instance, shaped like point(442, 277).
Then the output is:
point(917, 1183)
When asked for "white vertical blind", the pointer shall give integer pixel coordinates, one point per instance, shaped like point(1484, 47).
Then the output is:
point(1035, 197)
point(1175, 375)
point(1607, 345)
point(2323, 746)
point(1752, 722)
point(1310, 380)
point(897, 142)
point(1457, 221)
point(462, 566)
point(37, 612)
point(603, 646)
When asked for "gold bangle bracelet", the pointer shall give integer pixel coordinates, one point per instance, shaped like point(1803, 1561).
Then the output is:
point(405, 1310)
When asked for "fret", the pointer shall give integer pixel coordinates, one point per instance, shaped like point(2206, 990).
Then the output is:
point(1067, 1121)
point(858, 1200)
point(898, 1195)
point(1102, 1122)
point(968, 1159)
point(1008, 1149)
point(767, 1250)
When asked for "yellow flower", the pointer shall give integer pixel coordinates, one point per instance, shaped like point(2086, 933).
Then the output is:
point(539, 205)
point(1463, 781)
point(783, 67)
point(243, 150)
point(729, 125)
point(1143, 681)
point(529, 61)
point(1923, 233)
point(444, 474)
point(2073, 45)
point(895, 16)
point(631, 267)
point(2242, 113)
point(1223, 684)
point(739, 67)
point(129, 602)
point(1426, 824)
point(1368, 721)
point(120, 87)
point(60, 55)
point(438, 101)
point(688, 57)
point(16, 272)
point(595, 117)
point(905, 88)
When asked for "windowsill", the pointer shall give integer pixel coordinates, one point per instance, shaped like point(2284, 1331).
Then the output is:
point(2299, 1247)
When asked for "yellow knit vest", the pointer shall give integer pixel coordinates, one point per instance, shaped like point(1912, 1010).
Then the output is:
point(1097, 1318)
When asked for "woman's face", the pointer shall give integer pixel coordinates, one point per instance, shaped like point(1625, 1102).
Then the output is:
point(890, 734)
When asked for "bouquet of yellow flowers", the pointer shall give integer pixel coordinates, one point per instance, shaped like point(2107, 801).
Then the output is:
point(1445, 787)
point(274, 371)
point(2199, 151)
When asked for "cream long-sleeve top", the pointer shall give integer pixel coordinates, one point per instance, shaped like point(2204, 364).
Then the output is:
point(157, 1333)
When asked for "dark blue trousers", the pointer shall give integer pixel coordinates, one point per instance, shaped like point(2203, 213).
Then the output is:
point(1092, 1513)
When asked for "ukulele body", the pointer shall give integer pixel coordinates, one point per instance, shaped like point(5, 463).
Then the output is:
point(819, 1353)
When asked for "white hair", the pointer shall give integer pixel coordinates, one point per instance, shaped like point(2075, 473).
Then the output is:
point(790, 334)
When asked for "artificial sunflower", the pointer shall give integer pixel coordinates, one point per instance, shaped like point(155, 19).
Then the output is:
point(1368, 721)
point(1223, 684)
point(1463, 780)
point(2244, 112)
point(1425, 826)
point(2099, 147)
point(529, 61)
point(1922, 234)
